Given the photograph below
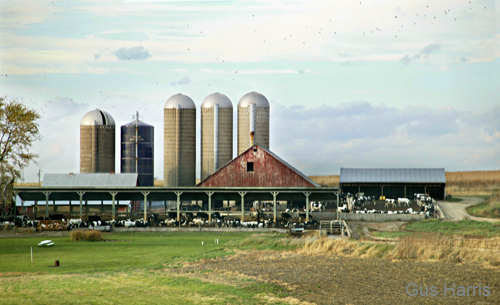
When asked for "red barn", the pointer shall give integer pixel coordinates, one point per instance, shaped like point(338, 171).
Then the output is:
point(257, 167)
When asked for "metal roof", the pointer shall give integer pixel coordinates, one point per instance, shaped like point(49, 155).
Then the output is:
point(181, 100)
point(90, 180)
point(391, 175)
point(216, 98)
point(97, 117)
point(137, 123)
point(253, 98)
point(287, 165)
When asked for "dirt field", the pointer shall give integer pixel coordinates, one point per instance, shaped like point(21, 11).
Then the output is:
point(347, 280)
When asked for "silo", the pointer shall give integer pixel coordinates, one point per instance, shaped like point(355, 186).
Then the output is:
point(97, 142)
point(137, 150)
point(253, 121)
point(216, 133)
point(179, 164)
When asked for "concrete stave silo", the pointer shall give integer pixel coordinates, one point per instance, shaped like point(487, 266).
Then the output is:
point(216, 133)
point(137, 151)
point(253, 121)
point(179, 164)
point(97, 142)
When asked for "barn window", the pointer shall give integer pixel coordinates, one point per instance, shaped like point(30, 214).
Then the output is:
point(249, 166)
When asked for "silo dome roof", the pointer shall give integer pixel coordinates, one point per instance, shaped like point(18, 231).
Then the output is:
point(217, 98)
point(253, 98)
point(97, 117)
point(137, 123)
point(181, 100)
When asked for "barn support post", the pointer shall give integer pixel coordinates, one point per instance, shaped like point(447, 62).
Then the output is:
point(242, 194)
point(274, 205)
point(113, 213)
point(381, 190)
point(81, 199)
point(307, 205)
point(338, 216)
point(165, 207)
point(70, 209)
point(35, 208)
point(46, 203)
point(54, 206)
point(178, 205)
point(210, 206)
point(145, 205)
point(102, 207)
point(405, 190)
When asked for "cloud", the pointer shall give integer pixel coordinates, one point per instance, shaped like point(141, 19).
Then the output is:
point(427, 50)
point(183, 81)
point(134, 53)
point(256, 71)
point(320, 140)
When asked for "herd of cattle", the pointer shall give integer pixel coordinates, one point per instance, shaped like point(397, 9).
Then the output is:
point(357, 204)
point(290, 218)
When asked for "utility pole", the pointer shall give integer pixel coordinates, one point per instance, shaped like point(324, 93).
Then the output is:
point(39, 175)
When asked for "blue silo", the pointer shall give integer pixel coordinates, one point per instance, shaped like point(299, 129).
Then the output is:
point(137, 150)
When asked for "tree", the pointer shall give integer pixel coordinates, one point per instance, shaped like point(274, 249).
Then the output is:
point(18, 131)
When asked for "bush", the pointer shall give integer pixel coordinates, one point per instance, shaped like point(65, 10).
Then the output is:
point(92, 235)
point(89, 235)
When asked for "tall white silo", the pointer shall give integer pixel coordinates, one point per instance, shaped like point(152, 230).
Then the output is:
point(216, 133)
point(179, 163)
point(253, 121)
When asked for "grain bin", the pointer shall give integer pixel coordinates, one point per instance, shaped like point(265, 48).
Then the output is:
point(179, 163)
point(253, 121)
point(216, 133)
point(97, 142)
point(137, 150)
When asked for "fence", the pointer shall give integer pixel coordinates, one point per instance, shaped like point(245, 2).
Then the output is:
point(368, 217)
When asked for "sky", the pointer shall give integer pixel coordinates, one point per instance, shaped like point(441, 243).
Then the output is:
point(378, 83)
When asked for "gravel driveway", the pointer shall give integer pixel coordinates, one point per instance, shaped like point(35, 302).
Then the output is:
point(455, 211)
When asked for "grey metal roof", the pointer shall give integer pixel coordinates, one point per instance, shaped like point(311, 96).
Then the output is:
point(216, 98)
point(253, 98)
point(97, 117)
point(181, 100)
point(288, 165)
point(390, 175)
point(90, 180)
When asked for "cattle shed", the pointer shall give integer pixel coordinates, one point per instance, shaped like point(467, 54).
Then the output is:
point(394, 182)
point(257, 167)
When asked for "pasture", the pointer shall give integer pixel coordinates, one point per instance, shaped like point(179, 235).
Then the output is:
point(125, 269)
point(244, 268)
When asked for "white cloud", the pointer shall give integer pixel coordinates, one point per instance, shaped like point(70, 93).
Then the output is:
point(361, 134)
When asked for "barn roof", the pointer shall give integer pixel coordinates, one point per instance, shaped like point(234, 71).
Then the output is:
point(89, 180)
point(289, 166)
point(392, 175)
point(224, 168)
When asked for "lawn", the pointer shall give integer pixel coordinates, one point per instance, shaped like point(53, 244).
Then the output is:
point(129, 268)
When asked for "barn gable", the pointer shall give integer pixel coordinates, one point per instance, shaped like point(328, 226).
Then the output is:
point(257, 167)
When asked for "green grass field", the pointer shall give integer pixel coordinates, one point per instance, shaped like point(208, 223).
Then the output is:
point(130, 268)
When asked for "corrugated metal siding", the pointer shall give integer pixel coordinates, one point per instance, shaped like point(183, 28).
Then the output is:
point(388, 175)
point(269, 171)
point(85, 180)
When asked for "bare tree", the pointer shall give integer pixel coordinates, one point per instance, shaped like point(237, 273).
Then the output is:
point(18, 131)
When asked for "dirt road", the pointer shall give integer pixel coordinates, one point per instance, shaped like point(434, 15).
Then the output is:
point(455, 211)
